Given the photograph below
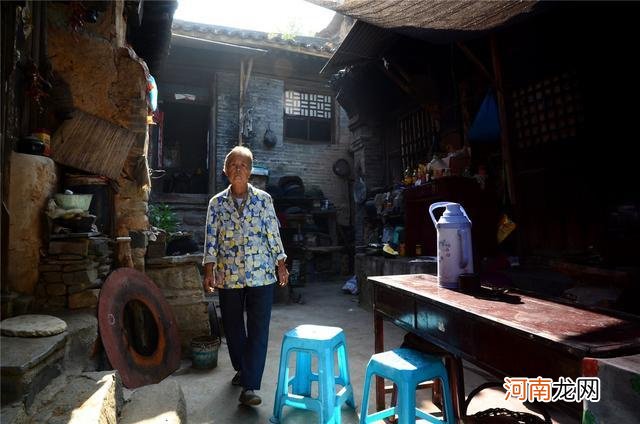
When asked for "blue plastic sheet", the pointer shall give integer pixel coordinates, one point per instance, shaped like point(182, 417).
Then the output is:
point(486, 125)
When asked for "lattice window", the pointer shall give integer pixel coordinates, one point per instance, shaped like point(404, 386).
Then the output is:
point(307, 104)
point(417, 133)
point(307, 116)
point(548, 110)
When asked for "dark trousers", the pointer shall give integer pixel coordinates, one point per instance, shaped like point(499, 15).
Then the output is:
point(247, 345)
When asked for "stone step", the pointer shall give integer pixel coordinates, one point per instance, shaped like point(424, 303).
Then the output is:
point(154, 404)
point(29, 364)
point(82, 335)
point(91, 397)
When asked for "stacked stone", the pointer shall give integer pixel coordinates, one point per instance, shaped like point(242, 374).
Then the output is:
point(179, 279)
point(73, 272)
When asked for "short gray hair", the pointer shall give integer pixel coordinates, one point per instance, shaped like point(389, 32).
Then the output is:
point(240, 151)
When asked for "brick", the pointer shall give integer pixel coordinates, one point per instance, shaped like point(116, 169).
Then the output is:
point(99, 246)
point(56, 289)
point(57, 301)
point(77, 288)
point(80, 277)
point(84, 299)
point(52, 277)
point(84, 265)
point(55, 260)
point(71, 257)
point(49, 267)
point(79, 247)
point(41, 290)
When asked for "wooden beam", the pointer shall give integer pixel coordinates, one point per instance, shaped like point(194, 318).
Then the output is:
point(403, 84)
point(472, 57)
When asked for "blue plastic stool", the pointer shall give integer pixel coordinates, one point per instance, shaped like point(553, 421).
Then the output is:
point(322, 341)
point(407, 368)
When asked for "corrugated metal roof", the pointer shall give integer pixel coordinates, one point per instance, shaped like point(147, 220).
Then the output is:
point(315, 46)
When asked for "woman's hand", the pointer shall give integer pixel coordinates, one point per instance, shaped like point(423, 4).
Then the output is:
point(212, 279)
point(208, 282)
point(283, 274)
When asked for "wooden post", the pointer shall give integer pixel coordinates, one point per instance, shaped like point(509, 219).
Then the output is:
point(244, 83)
point(504, 130)
point(213, 169)
point(241, 103)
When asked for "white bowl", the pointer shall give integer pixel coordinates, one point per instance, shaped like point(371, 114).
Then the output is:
point(73, 201)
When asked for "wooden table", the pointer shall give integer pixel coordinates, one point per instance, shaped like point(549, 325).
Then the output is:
point(509, 335)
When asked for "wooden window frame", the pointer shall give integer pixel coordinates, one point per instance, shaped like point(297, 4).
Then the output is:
point(417, 130)
point(309, 119)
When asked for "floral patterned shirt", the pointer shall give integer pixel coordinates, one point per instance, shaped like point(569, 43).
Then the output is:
point(245, 246)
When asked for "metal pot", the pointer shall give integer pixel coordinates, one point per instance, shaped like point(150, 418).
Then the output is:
point(30, 145)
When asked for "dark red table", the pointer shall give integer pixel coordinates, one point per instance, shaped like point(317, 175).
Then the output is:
point(509, 335)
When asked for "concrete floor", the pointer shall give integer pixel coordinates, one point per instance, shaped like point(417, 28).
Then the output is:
point(211, 398)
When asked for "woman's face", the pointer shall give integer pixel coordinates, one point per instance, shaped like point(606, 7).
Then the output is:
point(238, 170)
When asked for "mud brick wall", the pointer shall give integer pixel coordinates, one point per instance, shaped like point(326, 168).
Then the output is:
point(106, 78)
point(34, 179)
point(72, 273)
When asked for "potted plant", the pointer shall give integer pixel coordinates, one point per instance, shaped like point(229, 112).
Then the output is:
point(163, 222)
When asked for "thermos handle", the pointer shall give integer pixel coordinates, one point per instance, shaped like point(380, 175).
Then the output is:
point(437, 205)
point(465, 214)
point(464, 247)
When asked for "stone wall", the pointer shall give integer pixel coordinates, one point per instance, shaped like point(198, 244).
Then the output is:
point(178, 277)
point(33, 180)
point(72, 272)
point(368, 163)
point(371, 266)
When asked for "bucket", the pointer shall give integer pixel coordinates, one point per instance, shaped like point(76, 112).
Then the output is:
point(204, 352)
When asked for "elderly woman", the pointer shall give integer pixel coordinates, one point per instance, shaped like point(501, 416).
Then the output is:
point(242, 252)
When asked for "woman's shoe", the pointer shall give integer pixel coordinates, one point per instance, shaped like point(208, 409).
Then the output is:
point(236, 379)
point(249, 398)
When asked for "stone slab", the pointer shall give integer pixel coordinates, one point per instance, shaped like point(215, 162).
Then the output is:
point(32, 325)
point(27, 365)
point(619, 388)
point(20, 353)
point(174, 260)
point(92, 397)
point(156, 403)
point(82, 330)
point(77, 247)
point(178, 276)
point(84, 299)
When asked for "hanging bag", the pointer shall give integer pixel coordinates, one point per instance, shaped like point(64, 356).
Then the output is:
point(270, 139)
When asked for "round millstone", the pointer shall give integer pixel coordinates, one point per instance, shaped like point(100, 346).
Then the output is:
point(32, 326)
